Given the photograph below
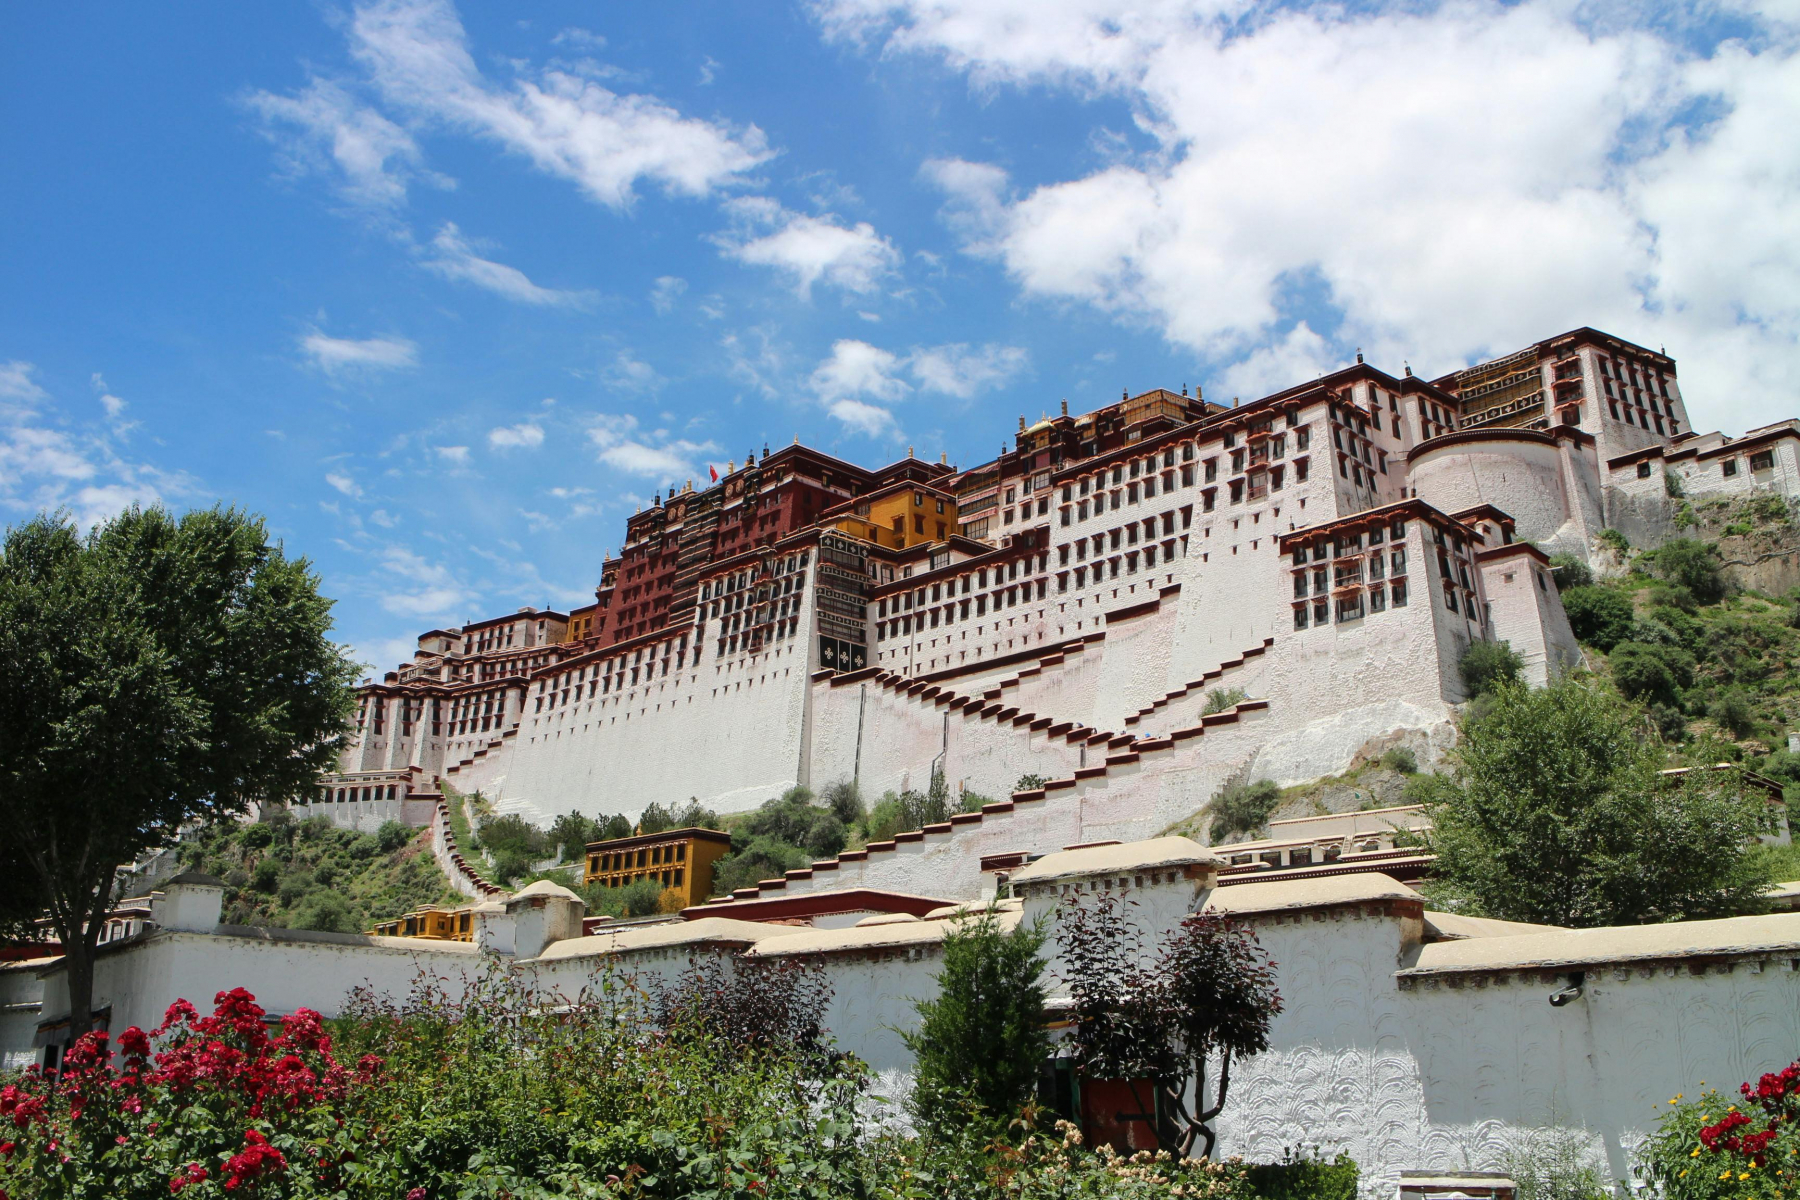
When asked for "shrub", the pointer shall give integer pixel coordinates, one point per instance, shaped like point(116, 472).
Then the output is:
point(325, 910)
point(825, 836)
point(1401, 759)
point(749, 1004)
point(1569, 571)
point(1693, 565)
point(391, 836)
point(1734, 713)
point(1598, 615)
point(1485, 666)
point(1556, 1166)
point(844, 800)
point(1029, 783)
point(761, 858)
point(981, 1041)
point(1300, 1178)
point(266, 875)
point(210, 1102)
point(1243, 808)
point(1672, 485)
point(1710, 1148)
point(1220, 699)
point(256, 836)
point(512, 835)
point(1652, 674)
point(640, 898)
point(1615, 539)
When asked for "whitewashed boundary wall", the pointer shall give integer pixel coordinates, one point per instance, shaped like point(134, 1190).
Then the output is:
point(1450, 1072)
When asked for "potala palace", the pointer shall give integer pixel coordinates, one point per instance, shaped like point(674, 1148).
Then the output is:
point(1321, 557)
point(1065, 609)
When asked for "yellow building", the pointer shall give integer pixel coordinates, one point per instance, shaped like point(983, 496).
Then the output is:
point(897, 516)
point(680, 859)
point(438, 924)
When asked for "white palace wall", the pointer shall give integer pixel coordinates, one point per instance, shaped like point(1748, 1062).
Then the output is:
point(1451, 1074)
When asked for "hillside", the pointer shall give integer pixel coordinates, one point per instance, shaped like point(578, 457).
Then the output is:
point(309, 875)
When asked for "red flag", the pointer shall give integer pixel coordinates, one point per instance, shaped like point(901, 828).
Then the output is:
point(713, 471)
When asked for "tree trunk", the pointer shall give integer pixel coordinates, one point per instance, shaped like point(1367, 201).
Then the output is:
point(78, 920)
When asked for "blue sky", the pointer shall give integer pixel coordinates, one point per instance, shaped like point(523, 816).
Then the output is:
point(447, 291)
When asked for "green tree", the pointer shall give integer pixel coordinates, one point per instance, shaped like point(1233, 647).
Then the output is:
point(1569, 571)
point(981, 1041)
point(1655, 674)
point(1485, 666)
point(844, 799)
point(1222, 698)
point(154, 672)
point(1600, 616)
point(1243, 808)
point(1558, 814)
point(1693, 565)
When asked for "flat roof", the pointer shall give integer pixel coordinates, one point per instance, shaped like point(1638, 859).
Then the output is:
point(688, 833)
point(1282, 895)
point(655, 937)
point(1126, 856)
point(1565, 948)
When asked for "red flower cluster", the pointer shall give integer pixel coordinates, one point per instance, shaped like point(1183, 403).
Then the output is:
point(130, 1091)
point(1778, 1095)
point(191, 1174)
point(255, 1160)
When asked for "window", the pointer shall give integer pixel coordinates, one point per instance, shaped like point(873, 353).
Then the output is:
point(1728, 468)
point(1643, 470)
point(1762, 460)
point(1299, 616)
point(1397, 593)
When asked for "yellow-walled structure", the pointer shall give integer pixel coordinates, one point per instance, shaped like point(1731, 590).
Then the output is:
point(901, 515)
point(680, 859)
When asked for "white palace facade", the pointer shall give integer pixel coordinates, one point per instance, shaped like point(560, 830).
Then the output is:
point(1328, 552)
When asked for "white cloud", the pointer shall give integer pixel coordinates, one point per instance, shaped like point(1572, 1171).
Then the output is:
point(452, 257)
point(417, 55)
point(668, 289)
point(807, 249)
point(325, 130)
point(1295, 358)
point(452, 454)
point(49, 461)
point(1452, 180)
point(343, 483)
point(630, 374)
point(336, 356)
point(957, 370)
point(622, 445)
point(857, 378)
point(524, 436)
point(16, 382)
point(430, 589)
point(856, 374)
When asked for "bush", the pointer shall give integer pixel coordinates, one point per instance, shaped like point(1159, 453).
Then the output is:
point(1220, 699)
point(825, 836)
point(640, 898)
point(327, 911)
point(391, 836)
point(844, 800)
point(762, 858)
point(1598, 615)
point(1734, 713)
point(1486, 666)
point(981, 1041)
point(1557, 1167)
point(266, 875)
point(1709, 1147)
point(1693, 565)
point(1652, 674)
point(211, 1102)
point(514, 836)
point(1305, 1179)
point(1569, 571)
point(1672, 486)
point(1029, 783)
point(1243, 808)
point(1615, 539)
point(1401, 759)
